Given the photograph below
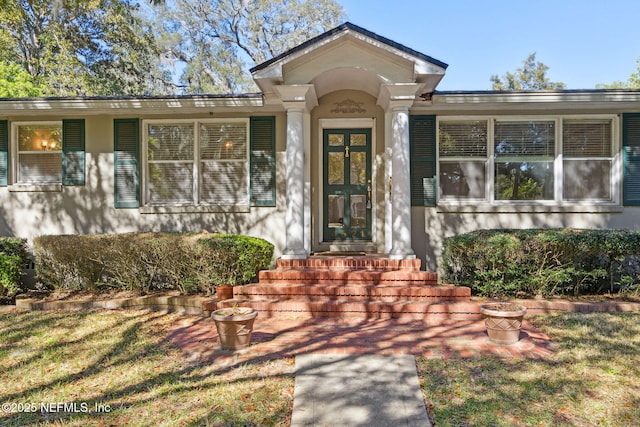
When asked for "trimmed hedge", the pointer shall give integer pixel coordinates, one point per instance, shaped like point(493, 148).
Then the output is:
point(144, 262)
point(13, 257)
point(507, 263)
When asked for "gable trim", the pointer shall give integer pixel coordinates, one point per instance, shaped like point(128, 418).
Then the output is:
point(348, 26)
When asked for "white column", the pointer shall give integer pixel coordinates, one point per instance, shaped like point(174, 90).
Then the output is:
point(401, 192)
point(396, 99)
point(294, 216)
point(298, 101)
point(388, 175)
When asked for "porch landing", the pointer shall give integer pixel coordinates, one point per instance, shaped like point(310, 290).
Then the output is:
point(369, 286)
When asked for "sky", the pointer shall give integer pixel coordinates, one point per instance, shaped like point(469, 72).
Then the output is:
point(583, 42)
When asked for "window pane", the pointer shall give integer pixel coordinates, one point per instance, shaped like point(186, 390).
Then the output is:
point(524, 181)
point(462, 180)
point(465, 138)
point(358, 211)
point(223, 141)
point(224, 183)
point(518, 139)
point(336, 168)
point(335, 210)
point(358, 161)
point(587, 179)
point(586, 138)
point(171, 142)
point(170, 183)
point(336, 139)
point(40, 138)
point(358, 139)
point(40, 167)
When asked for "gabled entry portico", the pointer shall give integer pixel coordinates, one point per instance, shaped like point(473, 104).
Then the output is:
point(351, 194)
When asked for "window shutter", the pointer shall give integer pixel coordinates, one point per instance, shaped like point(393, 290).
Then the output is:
point(263, 162)
point(631, 152)
point(4, 149)
point(422, 142)
point(126, 162)
point(73, 152)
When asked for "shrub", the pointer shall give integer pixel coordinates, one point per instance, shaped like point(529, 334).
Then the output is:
point(145, 262)
point(13, 257)
point(544, 262)
point(239, 258)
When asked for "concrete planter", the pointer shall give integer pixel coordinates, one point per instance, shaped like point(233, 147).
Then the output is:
point(234, 326)
point(503, 321)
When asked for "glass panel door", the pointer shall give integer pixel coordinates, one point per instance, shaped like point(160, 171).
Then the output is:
point(347, 184)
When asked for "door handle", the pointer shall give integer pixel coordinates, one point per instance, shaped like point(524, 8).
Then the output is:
point(369, 195)
point(346, 151)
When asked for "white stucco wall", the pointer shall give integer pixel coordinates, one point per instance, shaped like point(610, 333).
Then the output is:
point(89, 209)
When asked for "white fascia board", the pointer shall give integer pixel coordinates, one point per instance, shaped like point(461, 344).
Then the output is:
point(119, 106)
point(579, 101)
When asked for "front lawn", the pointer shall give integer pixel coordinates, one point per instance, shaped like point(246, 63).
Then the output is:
point(593, 379)
point(117, 368)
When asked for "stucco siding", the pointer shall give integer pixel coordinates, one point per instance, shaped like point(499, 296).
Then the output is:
point(89, 209)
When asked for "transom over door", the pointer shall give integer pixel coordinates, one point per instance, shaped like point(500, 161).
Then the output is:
point(347, 184)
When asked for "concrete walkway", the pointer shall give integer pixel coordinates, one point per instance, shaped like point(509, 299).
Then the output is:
point(357, 390)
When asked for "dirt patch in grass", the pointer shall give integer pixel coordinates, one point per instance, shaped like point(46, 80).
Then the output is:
point(118, 368)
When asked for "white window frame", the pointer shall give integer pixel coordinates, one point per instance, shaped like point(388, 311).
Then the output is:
point(16, 183)
point(490, 204)
point(455, 159)
point(197, 204)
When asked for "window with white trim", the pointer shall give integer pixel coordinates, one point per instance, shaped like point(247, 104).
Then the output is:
point(38, 152)
point(587, 159)
point(197, 162)
point(463, 159)
point(524, 153)
point(504, 159)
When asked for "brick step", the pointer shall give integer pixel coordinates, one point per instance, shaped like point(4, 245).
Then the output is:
point(369, 262)
point(347, 276)
point(351, 291)
point(361, 309)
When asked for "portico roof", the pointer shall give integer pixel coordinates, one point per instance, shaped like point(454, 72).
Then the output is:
point(349, 57)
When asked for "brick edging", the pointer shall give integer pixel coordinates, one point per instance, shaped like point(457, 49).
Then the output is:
point(173, 303)
point(550, 306)
point(200, 305)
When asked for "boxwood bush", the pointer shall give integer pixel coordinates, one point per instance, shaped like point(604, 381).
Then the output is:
point(510, 263)
point(144, 262)
point(13, 257)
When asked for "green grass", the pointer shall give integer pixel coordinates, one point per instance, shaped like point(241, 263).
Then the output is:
point(123, 361)
point(592, 380)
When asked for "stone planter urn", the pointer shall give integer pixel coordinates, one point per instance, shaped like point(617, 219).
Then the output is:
point(503, 321)
point(234, 326)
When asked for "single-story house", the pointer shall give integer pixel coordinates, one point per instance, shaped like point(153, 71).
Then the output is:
point(348, 147)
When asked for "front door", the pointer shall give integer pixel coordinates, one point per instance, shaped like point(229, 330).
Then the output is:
point(347, 184)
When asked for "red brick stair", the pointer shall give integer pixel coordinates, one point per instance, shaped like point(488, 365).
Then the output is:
point(354, 286)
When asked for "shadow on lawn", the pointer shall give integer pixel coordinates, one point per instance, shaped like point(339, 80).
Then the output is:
point(42, 376)
point(489, 391)
point(592, 379)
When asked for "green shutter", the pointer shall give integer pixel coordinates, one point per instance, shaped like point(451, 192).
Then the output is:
point(4, 150)
point(631, 153)
point(263, 162)
point(422, 142)
point(126, 135)
point(73, 152)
